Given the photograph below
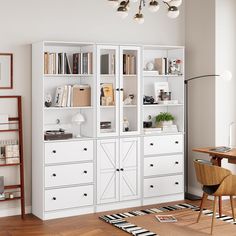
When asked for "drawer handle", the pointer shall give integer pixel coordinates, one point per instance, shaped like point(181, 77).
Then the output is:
point(85, 194)
point(54, 198)
point(151, 186)
point(176, 162)
point(176, 142)
point(151, 144)
point(54, 151)
point(176, 183)
point(85, 171)
point(118, 170)
point(85, 149)
point(151, 165)
point(54, 175)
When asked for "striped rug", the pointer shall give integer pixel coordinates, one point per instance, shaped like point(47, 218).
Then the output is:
point(119, 219)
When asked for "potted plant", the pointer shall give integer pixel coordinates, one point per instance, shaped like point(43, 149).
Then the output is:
point(164, 119)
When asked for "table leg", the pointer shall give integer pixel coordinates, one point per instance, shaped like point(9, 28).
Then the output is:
point(217, 161)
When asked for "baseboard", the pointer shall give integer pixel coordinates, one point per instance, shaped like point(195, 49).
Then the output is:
point(195, 191)
point(14, 211)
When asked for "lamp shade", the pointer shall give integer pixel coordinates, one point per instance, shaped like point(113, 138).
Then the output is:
point(78, 118)
point(226, 75)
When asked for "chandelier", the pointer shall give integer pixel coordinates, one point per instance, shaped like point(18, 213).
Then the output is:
point(124, 5)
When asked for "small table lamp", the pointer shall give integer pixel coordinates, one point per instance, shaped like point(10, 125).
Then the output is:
point(78, 119)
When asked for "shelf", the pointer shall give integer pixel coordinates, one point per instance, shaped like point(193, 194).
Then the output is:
point(17, 164)
point(67, 75)
point(12, 186)
point(10, 199)
point(130, 76)
point(161, 76)
point(9, 130)
point(107, 107)
point(130, 106)
point(65, 108)
point(164, 105)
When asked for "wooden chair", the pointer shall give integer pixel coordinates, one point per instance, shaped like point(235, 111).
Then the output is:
point(216, 181)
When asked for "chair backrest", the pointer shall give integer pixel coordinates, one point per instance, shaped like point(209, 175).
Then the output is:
point(208, 174)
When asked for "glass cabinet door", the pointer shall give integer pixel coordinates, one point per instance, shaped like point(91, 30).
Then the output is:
point(107, 90)
point(129, 90)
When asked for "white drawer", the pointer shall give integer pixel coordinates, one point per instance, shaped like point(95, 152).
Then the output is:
point(163, 144)
point(62, 152)
point(57, 199)
point(163, 165)
point(155, 187)
point(68, 174)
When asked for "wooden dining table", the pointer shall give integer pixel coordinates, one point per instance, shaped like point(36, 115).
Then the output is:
point(216, 159)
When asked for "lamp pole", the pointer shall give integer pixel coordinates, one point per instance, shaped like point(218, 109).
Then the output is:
point(188, 195)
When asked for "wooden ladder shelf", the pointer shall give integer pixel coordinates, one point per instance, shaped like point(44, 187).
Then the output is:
point(16, 121)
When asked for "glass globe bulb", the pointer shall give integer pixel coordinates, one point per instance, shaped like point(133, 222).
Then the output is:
point(139, 18)
point(173, 12)
point(154, 6)
point(175, 3)
point(122, 12)
point(113, 3)
point(226, 75)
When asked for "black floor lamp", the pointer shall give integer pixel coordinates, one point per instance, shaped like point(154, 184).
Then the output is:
point(225, 76)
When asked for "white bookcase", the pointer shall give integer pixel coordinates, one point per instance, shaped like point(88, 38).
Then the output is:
point(109, 166)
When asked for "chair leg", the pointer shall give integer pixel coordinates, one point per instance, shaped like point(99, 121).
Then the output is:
point(204, 197)
point(232, 206)
point(214, 213)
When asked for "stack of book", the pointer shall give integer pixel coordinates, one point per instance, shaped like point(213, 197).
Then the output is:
point(162, 65)
point(73, 96)
point(129, 64)
point(108, 64)
point(63, 63)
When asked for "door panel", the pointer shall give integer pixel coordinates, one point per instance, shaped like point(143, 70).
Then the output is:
point(107, 174)
point(130, 169)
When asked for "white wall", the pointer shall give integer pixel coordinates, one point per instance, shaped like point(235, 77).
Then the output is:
point(27, 21)
point(211, 48)
point(225, 60)
point(200, 60)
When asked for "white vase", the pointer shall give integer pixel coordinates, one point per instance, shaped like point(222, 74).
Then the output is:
point(164, 123)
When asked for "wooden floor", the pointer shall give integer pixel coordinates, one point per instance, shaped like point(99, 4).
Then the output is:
point(86, 225)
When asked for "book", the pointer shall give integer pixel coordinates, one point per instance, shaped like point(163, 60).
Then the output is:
point(107, 64)
point(166, 218)
point(59, 96)
point(162, 65)
point(107, 94)
point(221, 149)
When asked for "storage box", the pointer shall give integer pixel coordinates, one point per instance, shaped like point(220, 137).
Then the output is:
point(81, 96)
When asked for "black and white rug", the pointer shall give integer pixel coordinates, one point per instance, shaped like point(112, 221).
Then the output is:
point(119, 219)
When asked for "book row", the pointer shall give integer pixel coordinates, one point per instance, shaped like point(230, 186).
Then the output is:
point(73, 96)
point(64, 63)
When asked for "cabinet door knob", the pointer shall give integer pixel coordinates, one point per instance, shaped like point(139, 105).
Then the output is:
point(54, 151)
point(151, 165)
point(54, 198)
point(176, 183)
point(151, 186)
point(121, 89)
point(85, 149)
point(85, 171)
point(176, 142)
point(122, 169)
point(151, 144)
point(117, 169)
point(117, 89)
point(176, 162)
point(54, 175)
point(85, 194)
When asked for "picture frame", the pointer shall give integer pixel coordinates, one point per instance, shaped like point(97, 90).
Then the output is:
point(6, 71)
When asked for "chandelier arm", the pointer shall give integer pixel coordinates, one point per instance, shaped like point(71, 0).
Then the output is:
point(127, 2)
point(166, 3)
